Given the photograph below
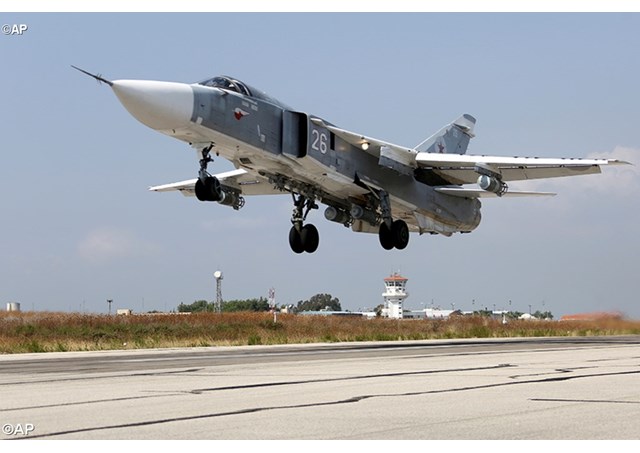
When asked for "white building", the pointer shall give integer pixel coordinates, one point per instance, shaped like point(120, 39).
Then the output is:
point(428, 313)
point(394, 296)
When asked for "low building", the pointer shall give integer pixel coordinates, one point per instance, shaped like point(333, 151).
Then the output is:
point(13, 306)
point(527, 317)
point(366, 314)
point(428, 313)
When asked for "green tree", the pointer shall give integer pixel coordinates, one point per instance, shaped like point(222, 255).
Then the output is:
point(198, 305)
point(319, 302)
point(260, 304)
point(514, 314)
point(543, 314)
point(484, 312)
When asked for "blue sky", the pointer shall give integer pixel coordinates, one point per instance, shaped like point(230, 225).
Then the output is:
point(79, 226)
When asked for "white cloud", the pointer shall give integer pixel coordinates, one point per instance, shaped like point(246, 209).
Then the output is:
point(107, 244)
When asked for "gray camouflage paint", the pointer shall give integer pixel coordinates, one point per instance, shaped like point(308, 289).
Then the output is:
point(274, 128)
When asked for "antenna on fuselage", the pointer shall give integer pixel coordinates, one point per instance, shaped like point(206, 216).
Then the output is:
point(98, 77)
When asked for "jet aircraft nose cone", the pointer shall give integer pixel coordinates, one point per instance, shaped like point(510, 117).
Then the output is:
point(159, 105)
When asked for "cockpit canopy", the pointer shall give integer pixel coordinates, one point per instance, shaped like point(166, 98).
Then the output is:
point(231, 84)
point(227, 83)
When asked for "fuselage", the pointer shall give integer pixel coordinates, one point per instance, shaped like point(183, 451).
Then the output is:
point(266, 137)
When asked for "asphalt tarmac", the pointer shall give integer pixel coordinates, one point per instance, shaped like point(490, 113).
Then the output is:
point(536, 388)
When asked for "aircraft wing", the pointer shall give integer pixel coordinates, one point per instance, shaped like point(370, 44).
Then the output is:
point(461, 168)
point(464, 192)
point(241, 180)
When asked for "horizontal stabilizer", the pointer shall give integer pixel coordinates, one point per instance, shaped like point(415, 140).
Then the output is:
point(463, 192)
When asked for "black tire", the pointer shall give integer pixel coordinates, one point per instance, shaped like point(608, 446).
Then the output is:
point(201, 193)
point(310, 238)
point(400, 234)
point(213, 191)
point(384, 234)
point(295, 240)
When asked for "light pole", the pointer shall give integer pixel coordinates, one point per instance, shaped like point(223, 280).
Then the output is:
point(218, 276)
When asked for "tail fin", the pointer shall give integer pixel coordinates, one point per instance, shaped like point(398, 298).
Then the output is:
point(451, 139)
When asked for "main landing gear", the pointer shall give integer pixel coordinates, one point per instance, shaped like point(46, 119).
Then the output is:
point(303, 238)
point(392, 233)
point(396, 235)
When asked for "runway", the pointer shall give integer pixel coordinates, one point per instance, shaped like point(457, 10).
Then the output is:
point(536, 388)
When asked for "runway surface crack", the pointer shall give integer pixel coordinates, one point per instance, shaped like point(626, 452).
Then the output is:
point(562, 400)
point(351, 400)
point(349, 378)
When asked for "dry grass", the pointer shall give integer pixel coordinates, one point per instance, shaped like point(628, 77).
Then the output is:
point(44, 332)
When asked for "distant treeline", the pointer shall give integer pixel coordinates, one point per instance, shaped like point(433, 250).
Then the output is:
point(259, 304)
point(315, 303)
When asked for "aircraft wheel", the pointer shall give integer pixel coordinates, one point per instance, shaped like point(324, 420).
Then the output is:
point(201, 191)
point(400, 234)
point(386, 239)
point(310, 238)
point(212, 186)
point(295, 240)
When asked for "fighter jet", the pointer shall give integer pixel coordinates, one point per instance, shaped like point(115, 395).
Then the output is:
point(367, 184)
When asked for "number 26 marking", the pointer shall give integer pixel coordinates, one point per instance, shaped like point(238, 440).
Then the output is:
point(319, 142)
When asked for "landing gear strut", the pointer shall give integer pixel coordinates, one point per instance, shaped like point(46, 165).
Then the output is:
point(392, 233)
point(208, 188)
point(303, 238)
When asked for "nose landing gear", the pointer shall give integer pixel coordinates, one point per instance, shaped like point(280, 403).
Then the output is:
point(208, 187)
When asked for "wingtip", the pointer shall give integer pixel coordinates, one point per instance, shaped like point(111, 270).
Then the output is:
point(619, 162)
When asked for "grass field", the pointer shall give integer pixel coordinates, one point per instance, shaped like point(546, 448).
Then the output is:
point(45, 332)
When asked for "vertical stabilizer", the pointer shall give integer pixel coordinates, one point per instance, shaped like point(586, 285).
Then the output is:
point(451, 139)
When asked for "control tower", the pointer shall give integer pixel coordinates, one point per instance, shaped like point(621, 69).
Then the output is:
point(394, 296)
